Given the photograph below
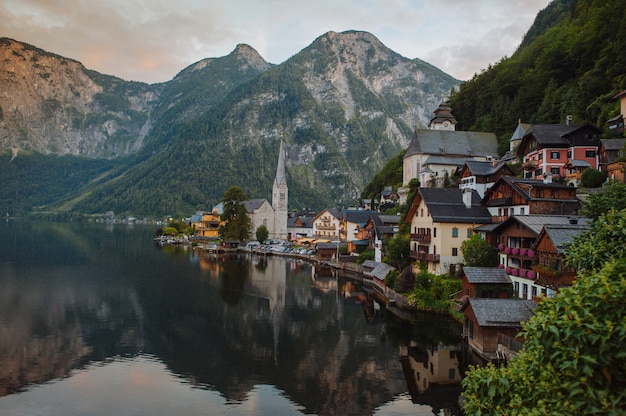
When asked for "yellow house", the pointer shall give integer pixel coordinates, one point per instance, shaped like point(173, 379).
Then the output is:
point(441, 220)
point(209, 224)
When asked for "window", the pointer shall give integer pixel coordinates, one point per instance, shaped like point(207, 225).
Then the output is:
point(533, 291)
point(455, 232)
point(451, 373)
point(555, 170)
point(522, 211)
point(538, 172)
point(540, 157)
point(455, 251)
point(422, 212)
point(569, 154)
point(435, 232)
point(469, 232)
point(590, 153)
point(555, 155)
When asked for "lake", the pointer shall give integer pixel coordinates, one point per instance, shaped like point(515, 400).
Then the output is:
point(95, 319)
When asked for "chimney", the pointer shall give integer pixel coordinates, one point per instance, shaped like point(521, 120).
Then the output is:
point(568, 120)
point(467, 197)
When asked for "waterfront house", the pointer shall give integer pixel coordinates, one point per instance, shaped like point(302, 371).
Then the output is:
point(546, 148)
point(440, 220)
point(520, 196)
point(327, 224)
point(515, 239)
point(485, 282)
point(486, 322)
point(300, 226)
point(207, 224)
point(550, 248)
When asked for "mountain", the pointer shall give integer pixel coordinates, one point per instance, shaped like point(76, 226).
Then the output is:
point(343, 106)
point(570, 62)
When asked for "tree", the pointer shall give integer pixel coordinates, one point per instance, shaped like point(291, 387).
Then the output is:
point(592, 178)
point(235, 215)
point(262, 233)
point(478, 253)
point(573, 360)
point(605, 241)
point(397, 251)
point(613, 196)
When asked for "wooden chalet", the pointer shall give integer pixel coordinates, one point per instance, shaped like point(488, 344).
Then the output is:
point(488, 322)
point(511, 195)
point(481, 176)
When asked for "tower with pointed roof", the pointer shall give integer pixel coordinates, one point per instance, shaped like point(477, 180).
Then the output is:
point(443, 119)
point(280, 197)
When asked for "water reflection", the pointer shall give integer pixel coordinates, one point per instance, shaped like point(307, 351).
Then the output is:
point(253, 333)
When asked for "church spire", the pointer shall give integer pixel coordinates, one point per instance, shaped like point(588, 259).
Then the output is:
point(280, 167)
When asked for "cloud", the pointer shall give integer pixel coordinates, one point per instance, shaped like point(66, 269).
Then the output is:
point(152, 40)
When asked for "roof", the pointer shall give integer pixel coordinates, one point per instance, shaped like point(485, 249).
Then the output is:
point(578, 163)
point(446, 160)
point(378, 270)
point(612, 144)
point(254, 204)
point(535, 223)
point(358, 216)
point(306, 222)
point(479, 168)
point(389, 219)
point(444, 142)
point(493, 275)
point(562, 235)
point(519, 132)
point(501, 312)
point(514, 183)
point(446, 205)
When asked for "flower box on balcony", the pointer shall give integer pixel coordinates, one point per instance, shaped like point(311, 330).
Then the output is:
point(500, 246)
point(522, 273)
point(501, 266)
point(514, 272)
point(522, 251)
point(531, 275)
point(507, 250)
point(531, 253)
point(508, 270)
point(515, 251)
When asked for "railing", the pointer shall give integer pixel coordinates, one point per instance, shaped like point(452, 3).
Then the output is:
point(421, 238)
point(510, 343)
point(501, 201)
point(530, 165)
point(326, 227)
point(434, 258)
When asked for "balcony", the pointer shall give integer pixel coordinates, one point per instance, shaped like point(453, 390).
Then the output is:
point(327, 227)
point(516, 251)
point(421, 238)
point(419, 256)
point(499, 202)
point(515, 271)
point(530, 165)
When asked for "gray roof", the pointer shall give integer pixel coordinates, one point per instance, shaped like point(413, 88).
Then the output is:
point(502, 312)
point(491, 275)
point(389, 219)
point(578, 163)
point(446, 160)
point(519, 132)
point(253, 204)
point(535, 223)
point(378, 270)
point(358, 216)
point(479, 168)
point(613, 144)
point(551, 134)
point(562, 235)
point(307, 222)
point(444, 142)
point(446, 205)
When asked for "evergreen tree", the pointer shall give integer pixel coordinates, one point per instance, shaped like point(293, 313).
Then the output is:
point(235, 215)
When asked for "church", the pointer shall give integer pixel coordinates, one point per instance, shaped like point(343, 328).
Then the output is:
point(274, 215)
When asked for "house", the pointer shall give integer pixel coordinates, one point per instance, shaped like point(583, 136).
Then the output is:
point(327, 224)
point(328, 251)
point(352, 221)
point(481, 176)
point(485, 282)
point(207, 224)
point(515, 238)
point(617, 122)
point(518, 196)
point(550, 248)
point(377, 229)
point(487, 321)
point(299, 226)
point(610, 151)
point(440, 220)
point(546, 148)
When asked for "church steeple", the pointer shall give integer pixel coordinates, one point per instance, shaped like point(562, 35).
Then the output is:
point(443, 119)
point(280, 195)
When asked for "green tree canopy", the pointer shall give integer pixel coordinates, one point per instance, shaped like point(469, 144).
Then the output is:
point(478, 253)
point(397, 251)
point(592, 178)
point(613, 196)
point(605, 241)
point(262, 233)
point(235, 215)
point(573, 361)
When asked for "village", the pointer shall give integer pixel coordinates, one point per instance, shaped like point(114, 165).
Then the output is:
point(466, 189)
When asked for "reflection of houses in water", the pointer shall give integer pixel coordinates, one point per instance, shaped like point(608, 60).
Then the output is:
point(430, 370)
point(324, 278)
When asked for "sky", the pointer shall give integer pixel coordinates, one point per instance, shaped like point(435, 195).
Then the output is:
point(153, 40)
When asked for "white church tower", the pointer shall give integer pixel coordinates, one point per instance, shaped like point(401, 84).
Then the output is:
point(280, 197)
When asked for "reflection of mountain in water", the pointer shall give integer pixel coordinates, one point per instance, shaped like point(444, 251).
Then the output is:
point(226, 323)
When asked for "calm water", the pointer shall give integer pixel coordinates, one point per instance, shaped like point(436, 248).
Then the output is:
point(97, 320)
